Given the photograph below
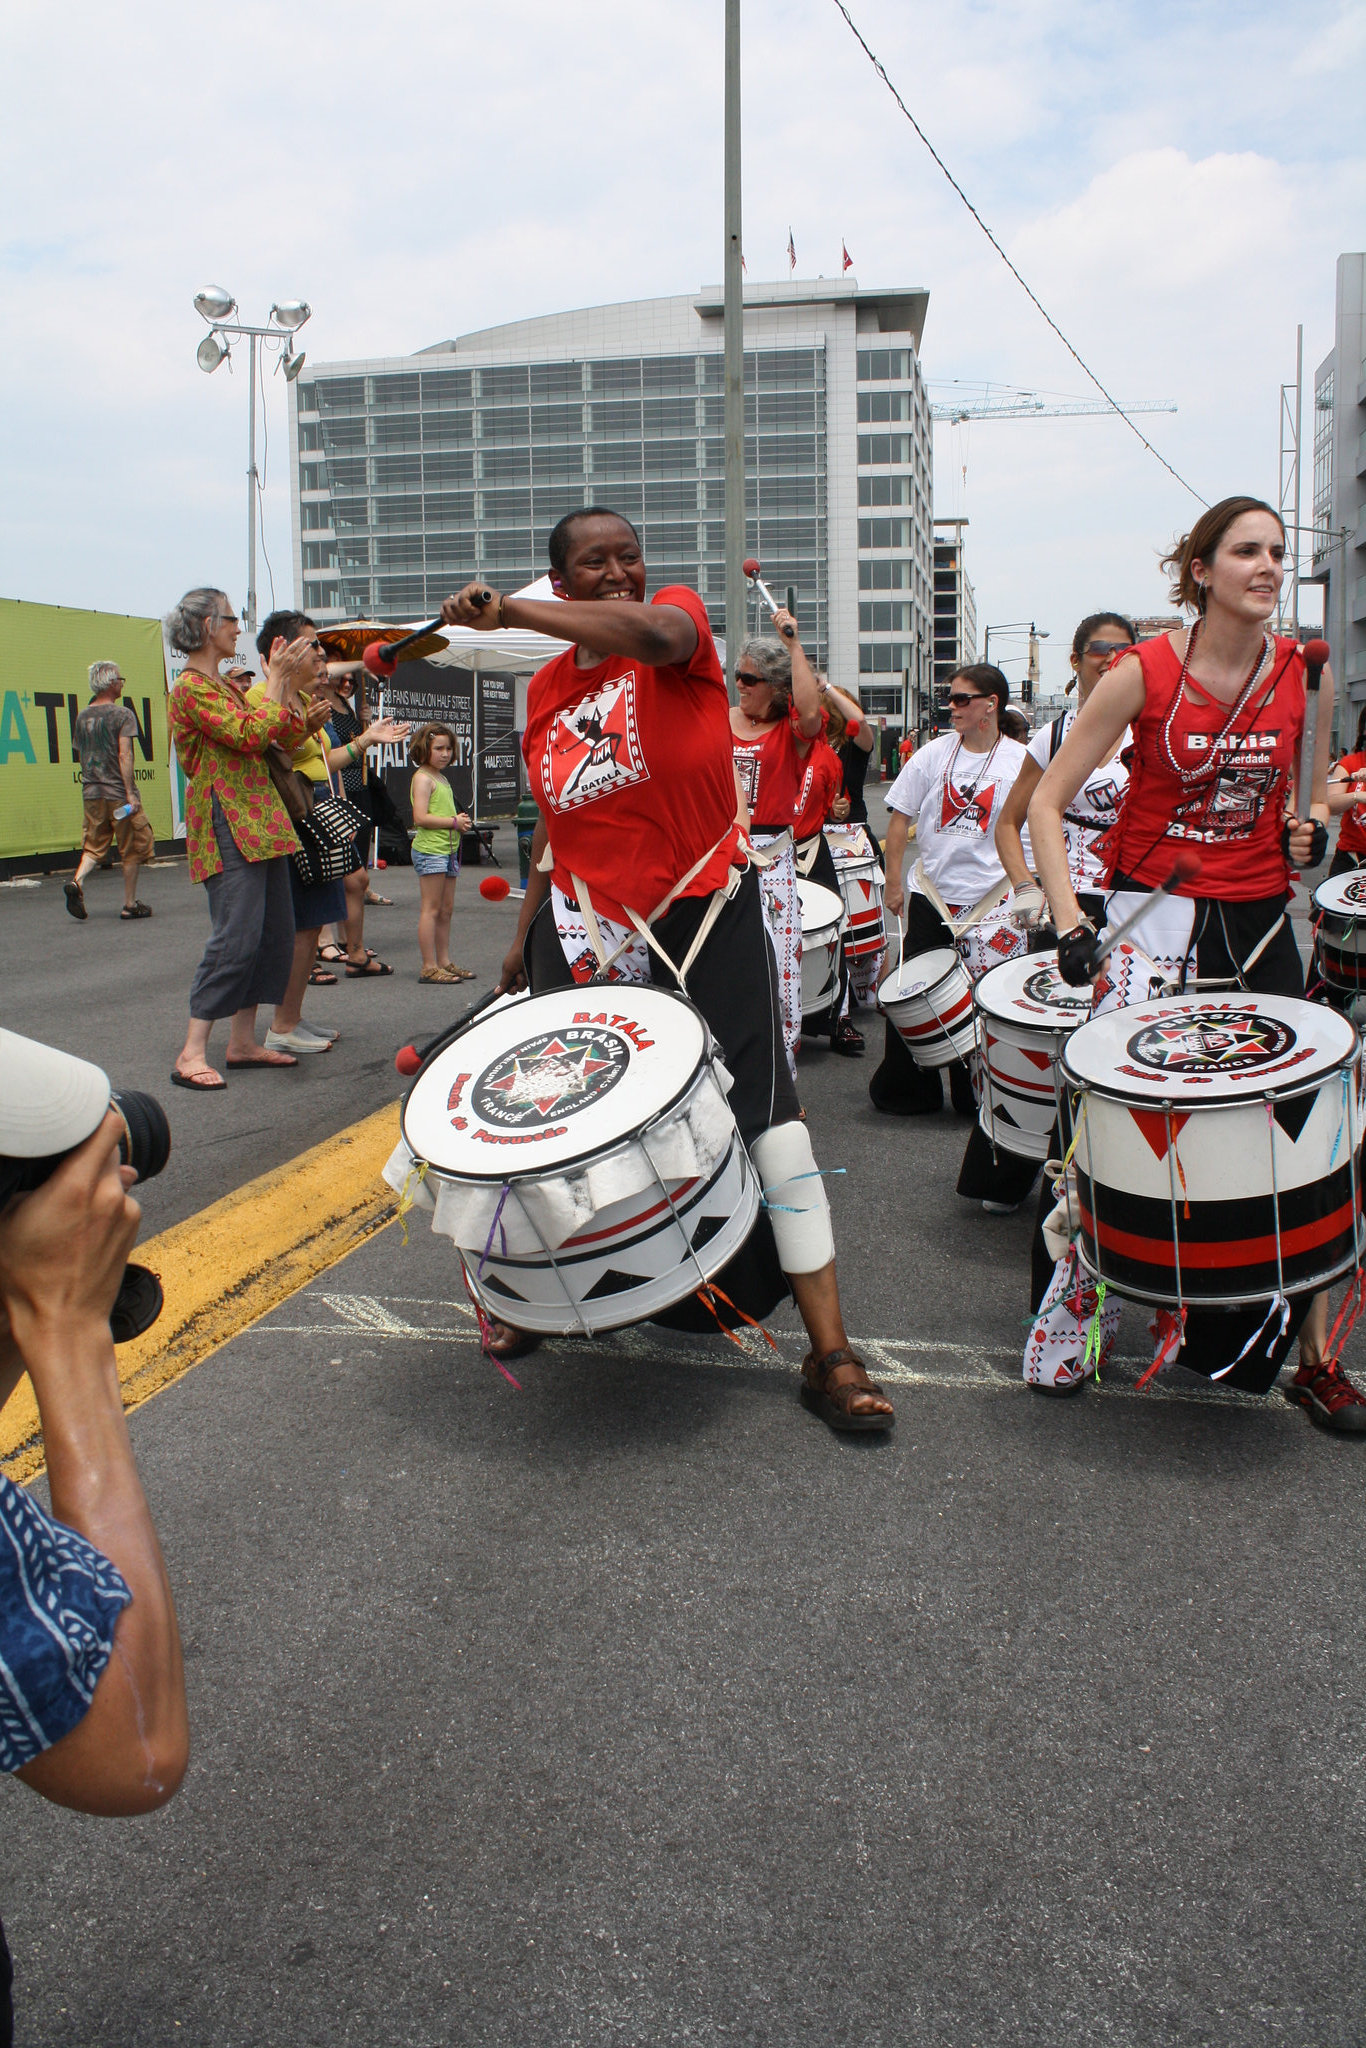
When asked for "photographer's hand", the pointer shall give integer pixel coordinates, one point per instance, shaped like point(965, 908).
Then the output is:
point(62, 1253)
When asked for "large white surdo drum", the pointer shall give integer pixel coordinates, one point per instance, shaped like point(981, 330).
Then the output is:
point(1025, 1015)
point(1340, 943)
point(860, 879)
point(1216, 1149)
point(929, 1001)
point(822, 916)
point(582, 1156)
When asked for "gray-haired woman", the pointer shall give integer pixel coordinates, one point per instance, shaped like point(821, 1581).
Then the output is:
point(238, 831)
point(772, 730)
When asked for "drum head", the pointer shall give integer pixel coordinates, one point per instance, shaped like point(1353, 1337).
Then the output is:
point(821, 907)
point(1343, 895)
point(552, 1080)
point(1031, 991)
point(913, 977)
point(1206, 1049)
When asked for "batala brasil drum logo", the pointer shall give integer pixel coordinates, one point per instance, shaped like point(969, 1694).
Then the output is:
point(1047, 986)
point(1212, 1042)
point(553, 1075)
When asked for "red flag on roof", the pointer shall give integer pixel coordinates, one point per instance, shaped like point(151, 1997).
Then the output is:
point(791, 251)
point(848, 262)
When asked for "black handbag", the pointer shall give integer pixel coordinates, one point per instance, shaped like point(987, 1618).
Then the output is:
point(327, 839)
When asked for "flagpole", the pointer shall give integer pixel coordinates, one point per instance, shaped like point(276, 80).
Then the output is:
point(736, 548)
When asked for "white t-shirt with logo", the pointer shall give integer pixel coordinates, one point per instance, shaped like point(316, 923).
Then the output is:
point(956, 799)
point(1094, 808)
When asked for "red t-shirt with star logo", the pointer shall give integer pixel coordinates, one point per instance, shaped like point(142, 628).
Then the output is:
point(631, 767)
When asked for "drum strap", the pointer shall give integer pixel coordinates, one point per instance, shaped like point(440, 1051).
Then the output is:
point(720, 897)
point(807, 849)
point(959, 925)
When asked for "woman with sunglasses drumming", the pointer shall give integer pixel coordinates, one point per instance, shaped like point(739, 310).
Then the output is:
point(955, 789)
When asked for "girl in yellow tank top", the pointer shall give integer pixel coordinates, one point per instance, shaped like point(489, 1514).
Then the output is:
point(436, 850)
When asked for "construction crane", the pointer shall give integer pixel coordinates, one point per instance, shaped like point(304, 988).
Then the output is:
point(1027, 405)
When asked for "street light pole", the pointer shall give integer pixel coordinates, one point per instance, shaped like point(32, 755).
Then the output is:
point(251, 489)
point(734, 361)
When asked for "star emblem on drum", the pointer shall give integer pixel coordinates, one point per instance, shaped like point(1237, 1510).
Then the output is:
point(550, 1076)
point(1211, 1042)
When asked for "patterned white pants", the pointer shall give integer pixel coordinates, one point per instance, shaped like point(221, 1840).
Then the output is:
point(783, 916)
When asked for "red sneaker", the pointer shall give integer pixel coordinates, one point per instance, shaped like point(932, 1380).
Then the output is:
point(1328, 1394)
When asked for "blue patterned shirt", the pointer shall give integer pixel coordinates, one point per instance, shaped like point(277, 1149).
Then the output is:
point(59, 1600)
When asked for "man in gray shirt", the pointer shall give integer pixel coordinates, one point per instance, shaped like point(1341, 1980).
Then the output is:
point(104, 742)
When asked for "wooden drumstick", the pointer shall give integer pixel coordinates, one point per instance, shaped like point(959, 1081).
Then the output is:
point(409, 1058)
point(381, 656)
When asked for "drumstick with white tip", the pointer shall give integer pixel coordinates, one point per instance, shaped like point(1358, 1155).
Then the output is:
point(1185, 867)
point(751, 569)
point(1316, 654)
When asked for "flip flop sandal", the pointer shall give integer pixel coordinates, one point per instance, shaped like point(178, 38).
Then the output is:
point(373, 969)
point(382, 902)
point(332, 953)
point(272, 1060)
point(840, 1372)
point(179, 1080)
point(320, 979)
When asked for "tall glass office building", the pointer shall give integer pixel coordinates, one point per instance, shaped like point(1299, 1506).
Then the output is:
point(415, 473)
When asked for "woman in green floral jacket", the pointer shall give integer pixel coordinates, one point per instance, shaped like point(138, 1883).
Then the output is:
point(239, 833)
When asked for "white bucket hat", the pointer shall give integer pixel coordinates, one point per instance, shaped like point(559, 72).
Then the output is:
point(49, 1100)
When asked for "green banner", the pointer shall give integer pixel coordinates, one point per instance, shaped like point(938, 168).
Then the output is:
point(45, 653)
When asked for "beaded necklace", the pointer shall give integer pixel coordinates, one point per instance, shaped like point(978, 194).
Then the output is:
point(968, 790)
point(1189, 777)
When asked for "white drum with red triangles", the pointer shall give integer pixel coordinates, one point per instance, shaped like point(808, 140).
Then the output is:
point(822, 916)
point(1026, 1013)
point(929, 1001)
point(1216, 1150)
point(861, 879)
point(579, 1150)
point(1340, 937)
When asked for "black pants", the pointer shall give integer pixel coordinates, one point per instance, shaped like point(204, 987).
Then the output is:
point(900, 1087)
point(734, 983)
point(1225, 935)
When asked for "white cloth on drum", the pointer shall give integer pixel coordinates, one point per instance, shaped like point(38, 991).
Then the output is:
point(632, 963)
point(1160, 948)
point(783, 916)
point(547, 1209)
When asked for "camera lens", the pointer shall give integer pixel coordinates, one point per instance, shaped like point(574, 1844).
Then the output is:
point(147, 1145)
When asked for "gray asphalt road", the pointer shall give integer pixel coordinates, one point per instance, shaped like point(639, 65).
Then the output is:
point(633, 1707)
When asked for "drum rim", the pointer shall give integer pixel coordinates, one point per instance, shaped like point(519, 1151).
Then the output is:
point(1284, 1093)
point(926, 986)
point(1337, 882)
point(562, 1167)
point(1128, 1291)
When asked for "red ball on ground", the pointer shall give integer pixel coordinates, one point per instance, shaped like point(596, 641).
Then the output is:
point(381, 863)
point(495, 887)
point(407, 1059)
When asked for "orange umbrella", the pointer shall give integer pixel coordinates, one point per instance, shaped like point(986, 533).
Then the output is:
point(348, 641)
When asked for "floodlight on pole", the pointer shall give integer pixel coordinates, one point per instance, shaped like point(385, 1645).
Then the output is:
point(291, 313)
point(214, 303)
point(287, 315)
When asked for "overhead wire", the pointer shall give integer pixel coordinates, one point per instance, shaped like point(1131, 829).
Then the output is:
point(1032, 296)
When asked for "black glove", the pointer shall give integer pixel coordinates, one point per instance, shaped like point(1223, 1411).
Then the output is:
point(1318, 845)
point(1077, 955)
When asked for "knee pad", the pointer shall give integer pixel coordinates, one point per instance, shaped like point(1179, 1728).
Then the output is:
point(794, 1195)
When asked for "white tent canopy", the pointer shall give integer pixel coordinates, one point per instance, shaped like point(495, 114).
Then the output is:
point(511, 650)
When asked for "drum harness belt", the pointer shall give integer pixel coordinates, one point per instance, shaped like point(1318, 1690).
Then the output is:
point(720, 897)
point(964, 923)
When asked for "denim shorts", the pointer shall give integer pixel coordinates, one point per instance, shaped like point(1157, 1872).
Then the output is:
point(436, 863)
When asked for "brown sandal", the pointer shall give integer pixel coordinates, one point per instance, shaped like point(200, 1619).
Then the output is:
point(830, 1386)
point(503, 1340)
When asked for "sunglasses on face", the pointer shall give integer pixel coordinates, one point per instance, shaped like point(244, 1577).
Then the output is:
point(743, 676)
point(1098, 647)
point(958, 698)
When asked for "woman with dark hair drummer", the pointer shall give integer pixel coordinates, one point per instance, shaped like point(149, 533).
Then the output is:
point(1339, 972)
point(773, 728)
point(1217, 712)
point(820, 801)
point(955, 789)
point(628, 747)
point(1347, 800)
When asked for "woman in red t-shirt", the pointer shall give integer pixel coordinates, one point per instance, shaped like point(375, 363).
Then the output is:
point(627, 745)
point(1347, 799)
point(821, 800)
point(1217, 714)
point(773, 729)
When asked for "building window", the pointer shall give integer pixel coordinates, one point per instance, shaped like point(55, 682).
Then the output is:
point(886, 405)
point(883, 533)
point(884, 576)
point(1323, 460)
point(506, 465)
point(884, 490)
point(556, 380)
point(888, 657)
point(442, 388)
point(884, 618)
point(885, 365)
point(885, 449)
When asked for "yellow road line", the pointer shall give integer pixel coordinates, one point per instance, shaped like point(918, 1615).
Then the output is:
point(234, 1261)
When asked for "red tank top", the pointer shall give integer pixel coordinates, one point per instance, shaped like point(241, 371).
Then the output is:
point(770, 771)
point(1217, 784)
point(1352, 832)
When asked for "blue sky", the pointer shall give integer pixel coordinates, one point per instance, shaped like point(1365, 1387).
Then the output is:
point(1175, 181)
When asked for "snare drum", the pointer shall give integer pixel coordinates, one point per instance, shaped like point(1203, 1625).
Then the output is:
point(861, 879)
point(582, 1157)
point(929, 1001)
point(822, 916)
point(1026, 1013)
point(1340, 944)
point(1216, 1153)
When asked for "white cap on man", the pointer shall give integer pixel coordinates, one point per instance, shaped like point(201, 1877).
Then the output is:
point(49, 1100)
